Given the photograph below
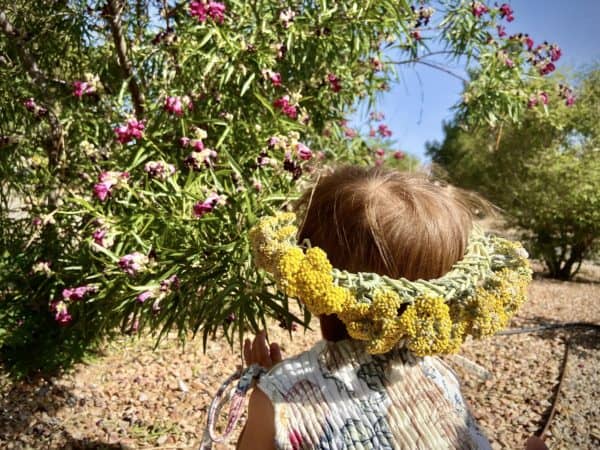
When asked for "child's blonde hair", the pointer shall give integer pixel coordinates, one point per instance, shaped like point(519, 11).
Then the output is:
point(388, 222)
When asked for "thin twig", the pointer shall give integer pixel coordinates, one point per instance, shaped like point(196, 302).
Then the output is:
point(552, 326)
point(114, 19)
point(443, 69)
point(563, 370)
point(419, 58)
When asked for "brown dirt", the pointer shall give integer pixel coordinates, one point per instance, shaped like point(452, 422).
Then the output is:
point(133, 397)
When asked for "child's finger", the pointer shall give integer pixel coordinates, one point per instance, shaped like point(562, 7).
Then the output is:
point(275, 351)
point(248, 352)
point(263, 348)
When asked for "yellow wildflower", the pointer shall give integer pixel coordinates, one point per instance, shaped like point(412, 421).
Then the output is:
point(385, 304)
point(428, 326)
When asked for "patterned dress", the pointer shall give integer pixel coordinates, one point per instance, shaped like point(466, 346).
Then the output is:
point(337, 396)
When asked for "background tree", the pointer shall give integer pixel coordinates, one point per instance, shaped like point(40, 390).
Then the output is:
point(544, 173)
point(140, 140)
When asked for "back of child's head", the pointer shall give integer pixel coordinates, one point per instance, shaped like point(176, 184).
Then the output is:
point(392, 223)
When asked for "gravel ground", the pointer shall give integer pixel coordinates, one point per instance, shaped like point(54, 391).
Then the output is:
point(135, 398)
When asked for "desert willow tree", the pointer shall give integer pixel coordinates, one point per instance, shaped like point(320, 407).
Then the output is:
point(140, 140)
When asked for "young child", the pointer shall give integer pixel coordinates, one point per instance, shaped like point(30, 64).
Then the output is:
point(338, 395)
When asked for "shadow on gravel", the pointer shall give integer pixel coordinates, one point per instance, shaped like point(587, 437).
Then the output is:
point(88, 444)
point(580, 336)
point(30, 408)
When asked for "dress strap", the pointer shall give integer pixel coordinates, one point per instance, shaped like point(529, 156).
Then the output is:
point(235, 396)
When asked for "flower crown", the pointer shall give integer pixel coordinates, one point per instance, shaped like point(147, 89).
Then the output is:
point(477, 297)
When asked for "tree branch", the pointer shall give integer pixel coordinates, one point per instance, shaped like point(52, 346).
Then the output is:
point(419, 60)
point(443, 69)
point(26, 58)
point(114, 19)
point(56, 142)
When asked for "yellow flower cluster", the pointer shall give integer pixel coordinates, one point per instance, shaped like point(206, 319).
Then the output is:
point(430, 325)
point(270, 238)
point(308, 277)
point(492, 307)
point(377, 322)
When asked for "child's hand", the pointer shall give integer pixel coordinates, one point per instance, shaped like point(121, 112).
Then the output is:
point(258, 352)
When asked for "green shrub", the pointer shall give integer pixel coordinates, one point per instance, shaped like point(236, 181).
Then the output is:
point(141, 140)
point(545, 174)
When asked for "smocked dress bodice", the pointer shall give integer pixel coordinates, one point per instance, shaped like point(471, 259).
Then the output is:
point(337, 396)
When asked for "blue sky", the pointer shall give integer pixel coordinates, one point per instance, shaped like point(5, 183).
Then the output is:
point(416, 109)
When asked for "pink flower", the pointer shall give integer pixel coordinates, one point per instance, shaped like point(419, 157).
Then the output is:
point(263, 160)
point(170, 283)
point(380, 152)
point(273, 141)
point(81, 88)
point(376, 64)
point(532, 102)
point(283, 103)
point(99, 236)
point(543, 98)
point(501, 30)
point(350, 132)
point(202, 208)
point(61, 313)
point(37, 221)
point(372, 132)
point(286, 17)
point(122, 133)
point(478, 9)
point(303, 152)
point(216, 11)
point(107, 180)
point(198, 145)
point(546, 68)
point(555, 53)
point(257, 185)
point(399, 154)
point(133, 263)
point(132, 130)
point(77, 293)
point(184, 141)
point(334, 82)
point(159, 169)
point(528, 42)
point(376, 116)
point(570, 100)
point(101, 191)
point(33, 107)
point(141, 298)
point(30, 104)
point(136, 128)
point(274, 77)
point(416, 35)
point(202, 10)
point(506, 12)
point(384, 131)
point(174, 106)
